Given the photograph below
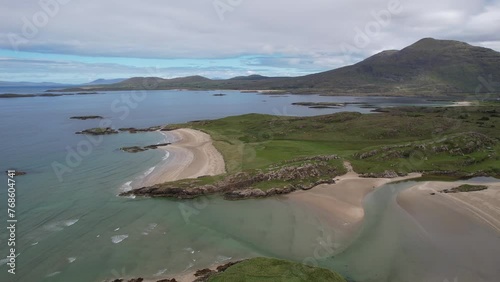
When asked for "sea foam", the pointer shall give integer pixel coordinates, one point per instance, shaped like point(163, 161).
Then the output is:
point(119, 238)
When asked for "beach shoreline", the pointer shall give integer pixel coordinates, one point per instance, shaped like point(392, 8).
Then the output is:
point(341, 204)
point(191, 155)
point(481, 208)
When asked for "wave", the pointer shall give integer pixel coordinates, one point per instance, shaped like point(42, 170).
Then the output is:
point(221, 259)
point(60, 225)
point(119, 238)
point(160, 272)
point(126, 187)
point(53, 274)
point(167, 155)
point(149, 229)
point(71, 259)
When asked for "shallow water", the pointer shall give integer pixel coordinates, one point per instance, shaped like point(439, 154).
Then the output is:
point(75, 228)
point(392, 246)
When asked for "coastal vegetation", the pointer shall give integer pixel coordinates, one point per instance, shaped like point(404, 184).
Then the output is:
point(465, 188)
point(257, 269)
point(266, 269)
point(282, 154)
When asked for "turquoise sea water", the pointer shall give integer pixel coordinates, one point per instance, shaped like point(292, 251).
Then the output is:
point(72, 226)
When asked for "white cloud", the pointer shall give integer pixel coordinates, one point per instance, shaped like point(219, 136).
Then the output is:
point(309, 33)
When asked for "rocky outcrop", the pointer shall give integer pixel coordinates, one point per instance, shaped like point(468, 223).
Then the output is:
point(135, 130)
point(201, 275)
point(320, 105)
point(137, 149)
point(309, 173)
point(98, 131)
point(17, 173)
point(456, 145)
point(86, 117)
point(11, 95)
point(385, 174)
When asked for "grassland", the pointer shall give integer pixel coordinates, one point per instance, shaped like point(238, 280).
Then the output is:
point(462, 139)
point(266, 269)
point(269, 153)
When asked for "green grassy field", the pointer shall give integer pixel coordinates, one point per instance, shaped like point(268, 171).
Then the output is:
point(266, 269)
point(463, 139)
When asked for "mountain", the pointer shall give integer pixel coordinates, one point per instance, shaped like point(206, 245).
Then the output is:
point(250, 77)
point(102, 81)
point(428, 67)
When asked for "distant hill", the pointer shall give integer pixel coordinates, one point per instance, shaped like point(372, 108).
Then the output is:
point(428, 67)
point(102, 81)
point(29, 84)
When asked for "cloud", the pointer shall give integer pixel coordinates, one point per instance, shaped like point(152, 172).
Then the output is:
point(299, 36)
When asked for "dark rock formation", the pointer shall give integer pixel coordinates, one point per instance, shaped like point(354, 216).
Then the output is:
point(315, 171)
point(219, 95)
point(135, 130)
point(86, 117)
point(222, 268)
point(98, 131)
point(17, 173)
point(385, 174)
point(86, 93)
point(10, 95)
point(134, 149)
point(137, 149)
point(320, 105)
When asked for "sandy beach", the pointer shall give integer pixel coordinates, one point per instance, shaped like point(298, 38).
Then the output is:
point(459, 234)
point(462, 104)
point(341, 204)
point(191, 155)
point(454, 209)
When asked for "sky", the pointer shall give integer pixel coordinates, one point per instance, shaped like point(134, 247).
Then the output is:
point(78, 41)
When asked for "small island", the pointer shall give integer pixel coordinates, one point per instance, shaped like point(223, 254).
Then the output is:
point(98, 131)
point(320, 105)
point(86, 117)
point(11, 95)
point(135, 130)
point(16, 172)
point(138, 149)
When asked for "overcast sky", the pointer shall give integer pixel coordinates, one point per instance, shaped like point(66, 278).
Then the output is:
point(77, 41)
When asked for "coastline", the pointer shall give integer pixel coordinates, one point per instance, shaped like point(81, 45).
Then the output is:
point(480, 208)
point(341, 204)
point(190, 155)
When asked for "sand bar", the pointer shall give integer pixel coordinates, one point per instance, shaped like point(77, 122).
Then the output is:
point(341, 204)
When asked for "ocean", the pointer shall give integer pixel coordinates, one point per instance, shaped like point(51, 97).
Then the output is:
point(72, 226)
